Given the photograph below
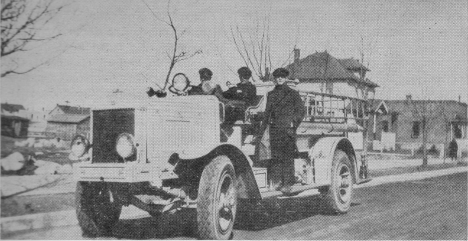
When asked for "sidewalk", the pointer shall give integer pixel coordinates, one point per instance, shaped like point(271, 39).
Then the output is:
point(54, 184)
point(65, 218)
point(386, 164)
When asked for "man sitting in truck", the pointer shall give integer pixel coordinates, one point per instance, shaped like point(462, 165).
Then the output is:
point(245, 91)
point(206, 87)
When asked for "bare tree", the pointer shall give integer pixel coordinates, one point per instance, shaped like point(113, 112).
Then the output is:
point(427, 112)
point(176, 55)
point(254, 47)
point(23, 24)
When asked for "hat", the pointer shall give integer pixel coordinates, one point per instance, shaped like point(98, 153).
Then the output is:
point(244, 72)
point(205, 73)
point(280, 73)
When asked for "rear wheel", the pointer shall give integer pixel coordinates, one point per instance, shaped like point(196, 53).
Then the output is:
point(217, 200)
point(96, 209)
point(338, 196)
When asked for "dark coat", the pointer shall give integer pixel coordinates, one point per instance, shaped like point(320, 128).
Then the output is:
point(243, 91)
point(195, 90)
point(283, 114)
point(284, 108)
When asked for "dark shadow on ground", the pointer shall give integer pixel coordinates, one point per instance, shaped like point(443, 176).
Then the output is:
point(180, 224)
point(257, 216)
point(279, 211)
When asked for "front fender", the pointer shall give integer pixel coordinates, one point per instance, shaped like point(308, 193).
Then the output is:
point(247, 185)
point(321, 154)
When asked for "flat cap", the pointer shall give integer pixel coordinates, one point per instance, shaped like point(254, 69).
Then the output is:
point(205, 73)
point(244, 72)
point(280, 73)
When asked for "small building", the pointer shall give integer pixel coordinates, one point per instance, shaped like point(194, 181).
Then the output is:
point(67, 121)
point(445, 120)
point(13, 124)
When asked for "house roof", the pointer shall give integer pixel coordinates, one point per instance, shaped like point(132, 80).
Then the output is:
point(320, 66)
point(370, 83)
point(66, 118)
point(352, 64)
point(74, 110)
point(12, 107)
point(382, 107)
point(14, 117)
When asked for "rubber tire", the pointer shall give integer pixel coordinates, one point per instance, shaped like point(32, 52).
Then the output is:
point(95, 212)
point(331, 202)
point(208, 195)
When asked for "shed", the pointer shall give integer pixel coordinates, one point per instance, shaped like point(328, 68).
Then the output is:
point(14, 126)
point(67, 121)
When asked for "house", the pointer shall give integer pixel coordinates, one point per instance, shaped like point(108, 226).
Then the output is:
point(38, 122)
point(321, 72)
point(67, 121)
point(445, 120)
point(324, 73)
point(13, 124)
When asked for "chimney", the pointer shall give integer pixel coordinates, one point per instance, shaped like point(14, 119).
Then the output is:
point(408, 97)
point(297, 54)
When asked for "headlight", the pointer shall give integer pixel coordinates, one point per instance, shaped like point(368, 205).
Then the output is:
point(79, 146)
point(125, 145)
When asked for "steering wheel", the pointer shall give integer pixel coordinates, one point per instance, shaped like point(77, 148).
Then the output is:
point(180, 84)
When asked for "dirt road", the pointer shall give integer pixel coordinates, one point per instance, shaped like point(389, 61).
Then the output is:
point(433, 208)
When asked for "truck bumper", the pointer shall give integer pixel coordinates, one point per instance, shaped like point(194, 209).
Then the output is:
point(119, 172)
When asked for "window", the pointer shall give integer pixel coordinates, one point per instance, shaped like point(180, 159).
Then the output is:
point(385, 126)
point(415, 130)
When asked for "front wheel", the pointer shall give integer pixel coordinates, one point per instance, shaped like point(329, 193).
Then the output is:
point(337, 197)
point(217, 200)
point(96, 209)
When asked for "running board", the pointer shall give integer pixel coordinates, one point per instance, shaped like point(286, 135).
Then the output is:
point(362, 181)
point(295, 190)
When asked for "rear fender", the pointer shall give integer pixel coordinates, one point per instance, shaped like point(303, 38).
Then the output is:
point(246, 185)
point(321, 154)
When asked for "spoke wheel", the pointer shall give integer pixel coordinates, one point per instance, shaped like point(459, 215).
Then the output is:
point(338, 196)
point(343, 183)
point(217, 200)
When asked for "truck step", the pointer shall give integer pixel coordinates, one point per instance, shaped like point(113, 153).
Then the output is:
point(296, 189)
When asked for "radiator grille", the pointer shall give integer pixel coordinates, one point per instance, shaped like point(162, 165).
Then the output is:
point(107, 125)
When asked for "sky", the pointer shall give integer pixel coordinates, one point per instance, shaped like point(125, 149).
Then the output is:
point(416, 47)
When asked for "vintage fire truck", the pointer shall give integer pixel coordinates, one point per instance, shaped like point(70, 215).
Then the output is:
point(159, 154)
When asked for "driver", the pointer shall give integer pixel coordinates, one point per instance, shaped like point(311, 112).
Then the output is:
point(206, 87)
point(245, 90)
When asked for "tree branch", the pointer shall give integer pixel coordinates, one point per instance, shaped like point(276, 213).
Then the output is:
point(20, 26)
